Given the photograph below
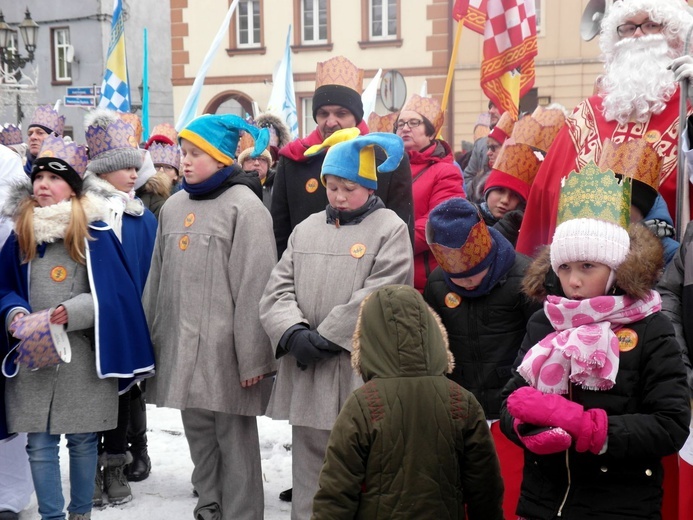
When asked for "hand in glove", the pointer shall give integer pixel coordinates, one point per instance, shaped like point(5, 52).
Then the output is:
point(542, 440)
point(682, 67)
point(309, 347)
point(587, 427)
point(509, 225)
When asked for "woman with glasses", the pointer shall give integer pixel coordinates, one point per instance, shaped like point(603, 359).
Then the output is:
point(435, 177)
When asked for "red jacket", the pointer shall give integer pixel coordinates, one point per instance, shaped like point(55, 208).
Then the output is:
point(435, 178)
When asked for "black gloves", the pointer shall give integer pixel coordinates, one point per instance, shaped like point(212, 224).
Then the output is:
point(509, 225)
point(309, 347)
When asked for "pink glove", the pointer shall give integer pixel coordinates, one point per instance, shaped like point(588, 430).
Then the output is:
point(588, 428)
point(542, 440)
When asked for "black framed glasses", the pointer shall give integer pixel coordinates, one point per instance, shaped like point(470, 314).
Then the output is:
point(412, 123)
point(649, 27)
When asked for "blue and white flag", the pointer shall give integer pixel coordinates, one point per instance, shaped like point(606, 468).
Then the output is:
point(282, 101)
point(115, 89)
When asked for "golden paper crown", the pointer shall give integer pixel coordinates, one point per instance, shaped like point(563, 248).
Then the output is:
point(462, 259)
point(385, 123)
point(505, 125)
point(339, 71)
point(134, 121)
point(634, 158)
point(597, 194)
point(165, 130)
point(540, 129)
point(427, 107)
point(246, 141)
point(518, 160)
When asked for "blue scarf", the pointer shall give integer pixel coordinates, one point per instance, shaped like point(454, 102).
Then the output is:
point(504, 259)
point(211, 184)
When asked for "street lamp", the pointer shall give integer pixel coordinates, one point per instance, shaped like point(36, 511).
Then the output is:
point(10, 59)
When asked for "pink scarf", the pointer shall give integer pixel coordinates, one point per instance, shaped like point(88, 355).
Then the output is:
point(584, 349)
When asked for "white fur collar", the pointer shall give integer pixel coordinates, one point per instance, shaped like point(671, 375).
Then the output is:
point(131, 205)
point(50, 222)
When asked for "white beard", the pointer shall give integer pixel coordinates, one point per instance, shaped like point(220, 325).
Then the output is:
point(637, 83)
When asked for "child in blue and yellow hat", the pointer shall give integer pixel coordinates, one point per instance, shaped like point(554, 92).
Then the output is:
point(334, 258)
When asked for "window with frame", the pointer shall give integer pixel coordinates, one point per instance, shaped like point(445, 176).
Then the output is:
point(62, 68)
point(313, 22)
point(248, 24)
point(383, 19)
point(539, 8)
point(307, 122)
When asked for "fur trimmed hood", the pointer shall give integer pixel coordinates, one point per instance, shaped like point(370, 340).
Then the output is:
point(158, 184)
point(95, 184)
point(636, 276)
point(280, 127)
point(398, 335)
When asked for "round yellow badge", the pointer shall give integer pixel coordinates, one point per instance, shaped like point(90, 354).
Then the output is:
point(184, 242)
point(189, 220)
point(452, 300)
point(627, 339)
point(357, 250)
point(312, 185)
point(58, 273)
point(652, 136)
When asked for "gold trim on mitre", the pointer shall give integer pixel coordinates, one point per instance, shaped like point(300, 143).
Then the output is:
point(475, 249)
point(427, 107)
point(634, 158)
point(540, 129)
point(339, 71)
point(518, 160)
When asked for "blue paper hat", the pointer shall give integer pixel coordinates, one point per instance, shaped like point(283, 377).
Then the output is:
point(217, 135)
point(352, 156)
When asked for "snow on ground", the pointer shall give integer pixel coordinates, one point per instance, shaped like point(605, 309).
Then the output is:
point(167, 493)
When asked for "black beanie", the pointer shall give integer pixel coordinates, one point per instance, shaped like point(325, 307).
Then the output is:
point(59, 167)
point(338, 95)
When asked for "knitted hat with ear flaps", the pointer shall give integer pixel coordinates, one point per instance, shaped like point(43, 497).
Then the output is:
point(217, 135)
point(352, 156)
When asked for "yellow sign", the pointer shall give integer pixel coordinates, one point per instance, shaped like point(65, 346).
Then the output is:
point(627, 339)
point(452, 300)
point(184, 242)
point(189, 220)
point(653, 136)
point(312, 185)
point(357, 250)
point(58, 273)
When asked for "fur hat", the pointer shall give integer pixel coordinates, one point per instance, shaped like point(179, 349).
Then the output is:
point(280, 135)
point(66, 159)
point(217, 135)
point(459, 238)
point(48, 119)
point(248, 153)
point(112, 142)
point(338, 82)
point(352, 156)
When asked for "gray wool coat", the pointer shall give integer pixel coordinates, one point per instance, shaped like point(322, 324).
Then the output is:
point(211, 261)
point(321, 281)
point(70, 397)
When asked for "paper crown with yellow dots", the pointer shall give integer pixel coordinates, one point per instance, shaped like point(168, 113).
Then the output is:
point(428, 107)
point(352, 156)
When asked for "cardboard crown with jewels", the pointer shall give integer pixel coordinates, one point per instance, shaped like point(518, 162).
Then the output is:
point(48, 119)
point(428, 107)
point(135, 123)
point(72, 153)
point(106, 135)
point(339, 71)
point(11, 135)
point(165, 154)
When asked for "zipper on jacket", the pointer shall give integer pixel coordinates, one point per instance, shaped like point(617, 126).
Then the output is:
point(567, 465)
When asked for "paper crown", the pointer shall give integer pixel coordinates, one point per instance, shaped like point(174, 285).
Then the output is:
point(634, 158)
point(10, 135)
point(246, 141)
point(165, 154)
point(352, 156)
point(540, 129)
point(218, 135)
point(427, 107)
point(164, 133)
point(504, 128)
point(339, 71)
point(47, 118)
point(597, 194)
point(135, 123)
point(459, 238)
point(42, 344)
point(516, 167)
point(73, 154)
point(384, 123)
point(107, 131)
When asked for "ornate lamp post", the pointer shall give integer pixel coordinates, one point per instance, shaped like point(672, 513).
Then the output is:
point(10, 59)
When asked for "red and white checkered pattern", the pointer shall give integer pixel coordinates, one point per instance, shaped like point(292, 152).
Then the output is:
point(510, 43)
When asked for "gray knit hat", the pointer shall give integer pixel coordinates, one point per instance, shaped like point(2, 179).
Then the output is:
point(111, 141)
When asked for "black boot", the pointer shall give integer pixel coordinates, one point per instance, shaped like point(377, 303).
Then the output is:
point(141, 464)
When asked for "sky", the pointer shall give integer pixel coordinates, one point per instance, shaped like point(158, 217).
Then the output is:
point(167, 493)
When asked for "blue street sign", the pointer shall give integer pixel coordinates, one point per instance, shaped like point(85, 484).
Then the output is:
point(79, 101)
point(83, 91)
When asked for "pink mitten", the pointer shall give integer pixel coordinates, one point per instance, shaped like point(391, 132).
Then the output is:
point(588, 428)
point(542, 440)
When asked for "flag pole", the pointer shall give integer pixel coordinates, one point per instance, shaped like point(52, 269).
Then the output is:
point(451, 66)
point(145, 84)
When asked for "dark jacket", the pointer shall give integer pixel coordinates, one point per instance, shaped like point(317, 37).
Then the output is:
point(410, 443)
point(648, 412)
point(294, 199)
point(485, 333)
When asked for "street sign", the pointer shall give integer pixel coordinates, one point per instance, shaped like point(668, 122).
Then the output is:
point(83, 91)
point(79, 101)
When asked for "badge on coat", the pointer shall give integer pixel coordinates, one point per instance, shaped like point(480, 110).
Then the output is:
point(452, 300)
point(627, 339)
point(58, 274)
point(312, 185)
point(189, 220)
point(653, 136)
point(184, 242)
point(357, 250)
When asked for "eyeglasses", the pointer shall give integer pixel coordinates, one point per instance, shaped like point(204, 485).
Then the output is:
point(628, 29)
point(164, 168)
point(493, 147)
point(412, 123)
